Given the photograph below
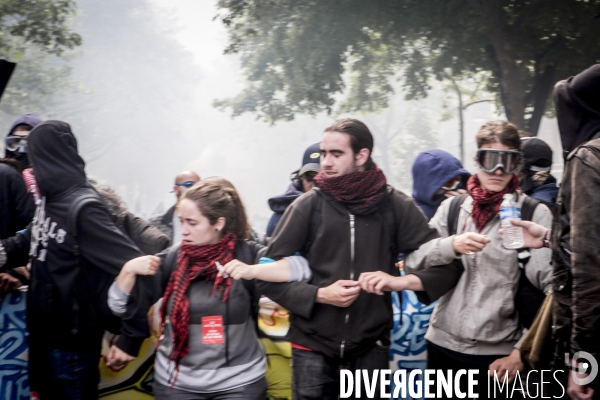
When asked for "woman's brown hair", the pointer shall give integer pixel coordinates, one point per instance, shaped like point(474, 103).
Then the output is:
point(216, 197)
point(499, 132)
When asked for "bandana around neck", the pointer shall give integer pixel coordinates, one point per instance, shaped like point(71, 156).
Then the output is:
point(193, 261)
point(358, 191)
point(486, 203)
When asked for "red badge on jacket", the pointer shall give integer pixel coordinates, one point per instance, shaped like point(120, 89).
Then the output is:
point(212, 330)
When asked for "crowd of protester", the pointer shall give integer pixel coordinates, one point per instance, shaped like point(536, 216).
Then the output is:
point(334, 248)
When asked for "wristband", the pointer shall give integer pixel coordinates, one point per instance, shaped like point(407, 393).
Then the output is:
point(546, 239)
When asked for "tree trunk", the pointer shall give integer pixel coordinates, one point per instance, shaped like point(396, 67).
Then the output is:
point(511, 89)
point(539, 95)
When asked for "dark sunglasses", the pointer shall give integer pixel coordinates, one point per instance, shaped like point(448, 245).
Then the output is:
point(187, 185)
point(489, 160)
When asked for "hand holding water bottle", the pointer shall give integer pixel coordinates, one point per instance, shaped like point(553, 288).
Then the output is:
point(533, 234)
point(512, 237)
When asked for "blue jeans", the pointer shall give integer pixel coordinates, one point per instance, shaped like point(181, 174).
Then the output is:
point(68, 375)
point(317, 377)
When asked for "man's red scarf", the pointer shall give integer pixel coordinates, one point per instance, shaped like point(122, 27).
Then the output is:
point(486, 203)
point(358, 191)
point(193, 262)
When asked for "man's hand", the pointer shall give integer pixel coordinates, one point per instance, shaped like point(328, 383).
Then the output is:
point(117, 358)
point(8, 283)
point(238, 270)
point(469, 242)
point(145, 265)
point(340, 294)
point(511, 363)
point(532, 233)
point(378, 282)
point(576, 391)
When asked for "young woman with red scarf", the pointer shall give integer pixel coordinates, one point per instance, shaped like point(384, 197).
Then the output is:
point(475, 325)
point(209, 348)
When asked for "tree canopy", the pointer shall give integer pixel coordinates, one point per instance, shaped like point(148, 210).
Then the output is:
point(313, 56)
point(32, 34)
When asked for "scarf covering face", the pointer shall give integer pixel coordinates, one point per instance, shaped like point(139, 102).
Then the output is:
point(193, 262)
point(359, 191)
point(486, 203)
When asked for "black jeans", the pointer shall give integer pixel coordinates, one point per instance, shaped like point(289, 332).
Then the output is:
point(253, 391)
point(316, 376)
point(68, 375)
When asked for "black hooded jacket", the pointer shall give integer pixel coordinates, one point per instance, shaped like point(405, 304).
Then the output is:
point(67, 297)
point(578, 108)
point(16, 205)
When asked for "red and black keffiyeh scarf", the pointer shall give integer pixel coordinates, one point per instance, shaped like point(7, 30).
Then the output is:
point(193, 262)
point(358, 191)
point(486, 203)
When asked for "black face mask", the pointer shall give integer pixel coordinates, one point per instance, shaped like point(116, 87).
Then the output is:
point(438, 198)
point(21, 158)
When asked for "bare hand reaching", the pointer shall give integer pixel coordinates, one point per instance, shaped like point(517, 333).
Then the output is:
point(340, 294)
point(117, 358)
point(238, 270)
point(145, 265)
point(469, 242)
point(532, 233)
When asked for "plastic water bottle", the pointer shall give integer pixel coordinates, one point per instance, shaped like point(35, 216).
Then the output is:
point(512, 235)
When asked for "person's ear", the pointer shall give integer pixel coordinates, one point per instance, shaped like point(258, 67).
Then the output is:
point(220, 224)
point(362, 157)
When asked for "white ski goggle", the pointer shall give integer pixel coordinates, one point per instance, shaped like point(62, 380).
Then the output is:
point(489, 160)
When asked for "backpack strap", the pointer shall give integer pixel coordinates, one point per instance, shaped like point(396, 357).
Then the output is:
point(316, 216)
point(73, 216)
point(454, 211)
point(389, 216)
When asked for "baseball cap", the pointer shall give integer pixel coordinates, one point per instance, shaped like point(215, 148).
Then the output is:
point(311, 161)
point(537, 155)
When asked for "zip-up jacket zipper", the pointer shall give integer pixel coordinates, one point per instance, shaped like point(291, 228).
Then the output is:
point(347, 317)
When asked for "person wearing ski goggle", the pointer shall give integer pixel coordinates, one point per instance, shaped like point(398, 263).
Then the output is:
point(491, 274)
point(490, 159)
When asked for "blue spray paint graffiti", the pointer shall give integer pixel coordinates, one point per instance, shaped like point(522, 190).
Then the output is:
point(14, 382)
point(411, 320)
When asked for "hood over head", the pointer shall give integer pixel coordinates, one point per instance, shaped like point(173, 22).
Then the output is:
point(31, 120)
point(577, 104)
point(279, 203)
point(431, 170)
point(56, 163)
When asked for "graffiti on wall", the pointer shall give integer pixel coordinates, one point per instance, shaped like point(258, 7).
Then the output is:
point(411, 320)
point(14, 382)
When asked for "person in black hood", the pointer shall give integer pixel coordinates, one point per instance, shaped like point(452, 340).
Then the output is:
point(576, 227)
point(535, 178)
point(577, 105)
point(74, 259)
point(302, 182)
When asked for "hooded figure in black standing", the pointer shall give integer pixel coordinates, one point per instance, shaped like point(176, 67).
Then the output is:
point(576, 227)
point(72, 266)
